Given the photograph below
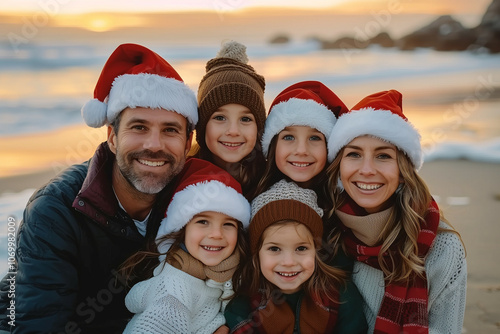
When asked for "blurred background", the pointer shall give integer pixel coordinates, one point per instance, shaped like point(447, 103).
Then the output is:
point(443, 56)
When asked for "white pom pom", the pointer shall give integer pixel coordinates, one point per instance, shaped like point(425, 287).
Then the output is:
point(233, 50)
point(94, 113)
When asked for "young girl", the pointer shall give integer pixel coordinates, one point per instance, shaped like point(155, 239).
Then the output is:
point(300, 119)
point(285, 287)
point(231, 116)
point(410, 264)
point(200, 243)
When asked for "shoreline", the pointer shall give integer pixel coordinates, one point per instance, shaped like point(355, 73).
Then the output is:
point(20, 182)
point(53, 150)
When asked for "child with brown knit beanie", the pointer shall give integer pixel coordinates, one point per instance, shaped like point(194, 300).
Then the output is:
point(231, 116)
point(285, 287)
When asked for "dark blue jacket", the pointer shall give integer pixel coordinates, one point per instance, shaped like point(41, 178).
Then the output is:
point(70, 244)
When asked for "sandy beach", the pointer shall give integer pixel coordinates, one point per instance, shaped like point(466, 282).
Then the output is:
point(468, 193)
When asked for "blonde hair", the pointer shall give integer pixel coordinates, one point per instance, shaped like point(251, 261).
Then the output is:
point(400, 234)
point(324, 281)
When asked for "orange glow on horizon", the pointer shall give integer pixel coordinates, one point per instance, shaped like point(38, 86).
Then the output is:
point(99, 22)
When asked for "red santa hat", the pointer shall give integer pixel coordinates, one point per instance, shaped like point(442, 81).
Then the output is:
point(379, 115)
point(202, 187)
point(135, 76)
point(306, 103)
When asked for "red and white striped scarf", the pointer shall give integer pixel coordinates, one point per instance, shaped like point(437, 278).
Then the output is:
point(404, 306)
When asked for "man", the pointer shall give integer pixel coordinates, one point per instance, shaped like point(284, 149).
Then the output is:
point(84, 223)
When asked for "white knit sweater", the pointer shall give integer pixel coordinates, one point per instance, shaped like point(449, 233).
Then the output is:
point(446, 271)
point(175, 302)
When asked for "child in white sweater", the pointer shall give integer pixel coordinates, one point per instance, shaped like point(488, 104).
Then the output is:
point(410, 263)
point(200, 242)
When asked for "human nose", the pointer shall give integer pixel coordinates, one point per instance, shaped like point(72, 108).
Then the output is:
point(367, 167)
point(301, 147)
point(288, 259)
point(153, 141)
point(232, 128)
point(215, 232)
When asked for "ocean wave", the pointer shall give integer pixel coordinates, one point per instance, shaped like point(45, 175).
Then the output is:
point(486, 151)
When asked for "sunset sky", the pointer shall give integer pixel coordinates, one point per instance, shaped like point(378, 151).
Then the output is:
point(74, 6)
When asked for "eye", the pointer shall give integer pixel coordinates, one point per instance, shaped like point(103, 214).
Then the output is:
point(384, 156)
point(315, 138)
point(219, 118)
point(352, 154)
point(202, 222)
point(274, 249)
point(302, 248)
point(172, 130)
point(138, 127)
point(288, 137)
point(246, 119)
point(231, 224)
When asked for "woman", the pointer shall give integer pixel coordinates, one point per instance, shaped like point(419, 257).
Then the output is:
point(410, 263)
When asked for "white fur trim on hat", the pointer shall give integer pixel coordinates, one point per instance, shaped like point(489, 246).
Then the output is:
point(144, 90)
point(297, 112)
point(204, 196)
point(94, 113)
point(382, 124)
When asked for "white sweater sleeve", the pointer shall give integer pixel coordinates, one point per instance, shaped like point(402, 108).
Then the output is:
point(446, 270)
point(135, 299)
point(174, 302)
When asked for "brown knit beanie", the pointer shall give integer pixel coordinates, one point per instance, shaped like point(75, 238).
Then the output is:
point(285, 201)
point(229, 79)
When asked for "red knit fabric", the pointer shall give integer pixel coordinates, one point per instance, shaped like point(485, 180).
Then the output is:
point(404, 306)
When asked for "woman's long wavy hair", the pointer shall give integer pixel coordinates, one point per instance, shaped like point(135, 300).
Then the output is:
point(325, 281)
point(272, 174)
point(400, 234)
point(140, 265)
point(247, 172)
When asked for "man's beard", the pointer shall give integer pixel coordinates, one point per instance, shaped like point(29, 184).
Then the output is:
point(148, 183)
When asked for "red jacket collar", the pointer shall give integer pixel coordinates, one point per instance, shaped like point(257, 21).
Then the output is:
point(96, 198)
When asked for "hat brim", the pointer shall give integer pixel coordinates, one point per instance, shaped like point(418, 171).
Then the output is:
point(382, 124)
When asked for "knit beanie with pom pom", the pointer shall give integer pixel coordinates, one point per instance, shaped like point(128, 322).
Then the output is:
point(229, 79)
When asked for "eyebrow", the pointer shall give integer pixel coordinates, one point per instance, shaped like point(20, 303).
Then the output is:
point(243, 111)
point(201, 215)
point(289, 128)
point(143, 121)
point(378, 148)
point(281, 244)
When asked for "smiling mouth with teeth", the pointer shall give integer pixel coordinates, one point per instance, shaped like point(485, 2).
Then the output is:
point(365, 186)
point(288, 274)
point(151, 163)
point(300, 164)
point(212, 248)
point(231, 144)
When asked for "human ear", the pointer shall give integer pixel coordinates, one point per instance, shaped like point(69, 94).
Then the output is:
point(111, 139)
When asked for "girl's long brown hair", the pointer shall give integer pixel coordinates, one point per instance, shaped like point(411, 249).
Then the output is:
point(325, 281)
